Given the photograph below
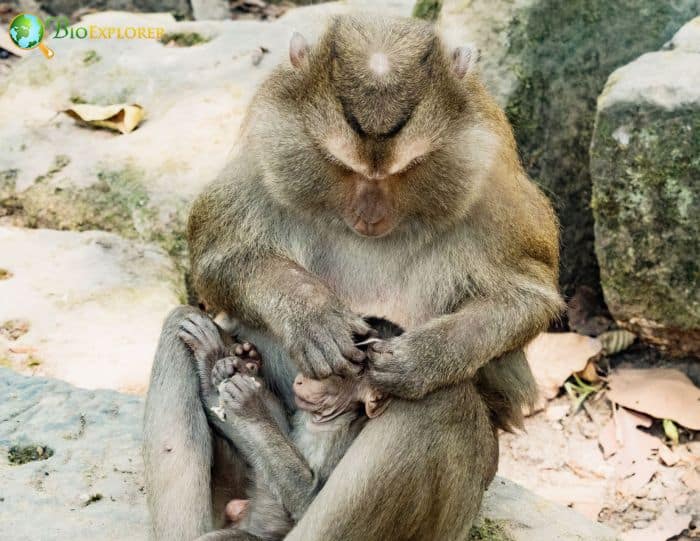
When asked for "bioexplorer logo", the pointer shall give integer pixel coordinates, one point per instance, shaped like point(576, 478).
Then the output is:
point(27, 32)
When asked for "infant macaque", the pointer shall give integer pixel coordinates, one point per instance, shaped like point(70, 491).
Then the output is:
point(289, 464)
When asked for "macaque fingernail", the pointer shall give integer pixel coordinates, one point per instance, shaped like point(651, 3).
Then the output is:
point(239, 350)
point(246, 346)
point(253, 354)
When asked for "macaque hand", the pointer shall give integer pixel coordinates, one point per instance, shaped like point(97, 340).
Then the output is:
point(322, 342)
point(391, 369)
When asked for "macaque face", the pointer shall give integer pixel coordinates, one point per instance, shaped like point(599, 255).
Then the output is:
point(376, 114)
point(331, 397)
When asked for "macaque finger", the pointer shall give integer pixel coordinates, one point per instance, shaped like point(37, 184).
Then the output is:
point(316, 363)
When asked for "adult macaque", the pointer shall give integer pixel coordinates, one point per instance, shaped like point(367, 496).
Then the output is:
point(374, 175)
point(290, 462)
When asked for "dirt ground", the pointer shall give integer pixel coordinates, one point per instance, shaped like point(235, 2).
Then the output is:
point(560, 458)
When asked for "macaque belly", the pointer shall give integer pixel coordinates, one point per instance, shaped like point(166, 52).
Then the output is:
point(377, 289)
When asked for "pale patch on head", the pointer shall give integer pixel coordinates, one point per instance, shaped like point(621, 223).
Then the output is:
point(344, 151)
point(407, 153)
point(379, 64)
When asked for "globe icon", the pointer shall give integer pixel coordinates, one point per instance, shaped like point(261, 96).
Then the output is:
point(27, 31)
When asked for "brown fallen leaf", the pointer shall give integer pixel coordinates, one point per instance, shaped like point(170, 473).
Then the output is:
point(590, 372)
point(635, 446)
point(553, 357)
point(122, 117)
point(23, 349)
point(668, 525)
point(663, 393)
point(692, 479)
point(667, 456)
point(641, 473)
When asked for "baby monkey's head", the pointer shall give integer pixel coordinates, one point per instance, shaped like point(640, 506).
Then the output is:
point(331, 397)
point(366, 126)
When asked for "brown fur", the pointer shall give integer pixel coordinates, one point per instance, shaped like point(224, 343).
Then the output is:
point(453, 243)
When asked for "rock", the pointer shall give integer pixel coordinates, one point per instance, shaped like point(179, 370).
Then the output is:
point(89, 306)
point(211, 10)
point(546, 61)
point(57, 174)
point(645, 165)
point(93, 481)
point(92, 484)
point(68, 7)
point(519, 515)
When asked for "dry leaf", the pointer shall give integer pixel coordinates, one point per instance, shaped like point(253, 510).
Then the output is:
point(23, 349)
point(553, 357)
point(692, 479)
point(668, 525)
point(590, 510)
point(641, 473)
point(667, 456)
point(590, 373)
point(557, 412)
point(663, 393)
point(123, 118)
point(635, 446)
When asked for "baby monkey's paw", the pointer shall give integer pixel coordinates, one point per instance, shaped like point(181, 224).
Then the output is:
point(244, 359)
point(243, 397)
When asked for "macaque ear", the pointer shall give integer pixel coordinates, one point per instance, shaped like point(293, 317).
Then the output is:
point(464, 60)
point(298, 50)
point(375, 405)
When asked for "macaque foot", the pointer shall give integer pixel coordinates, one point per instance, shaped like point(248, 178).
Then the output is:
point(236, 510)
point(242, 397)
point(244, 359)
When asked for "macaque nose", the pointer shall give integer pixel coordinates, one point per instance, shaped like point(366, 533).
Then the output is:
point(370, 205)
point(299, 380)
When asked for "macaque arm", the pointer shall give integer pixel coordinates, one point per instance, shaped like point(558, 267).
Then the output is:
point(451, 348)
point(245, 272)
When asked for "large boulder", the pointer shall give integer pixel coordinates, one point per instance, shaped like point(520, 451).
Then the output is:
point(57, 174)
point(547, 61)
point(83, 307)
point(71, 468)
point(645, 165)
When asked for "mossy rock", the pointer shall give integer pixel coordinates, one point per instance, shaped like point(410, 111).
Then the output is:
point(645, 165)
point(547, 61)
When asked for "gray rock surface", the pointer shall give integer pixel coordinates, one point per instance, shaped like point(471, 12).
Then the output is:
point(92, 486)
point(645, 164)
point(92, 304)
point(57, 174)
point(93, 482)
point(546, 61)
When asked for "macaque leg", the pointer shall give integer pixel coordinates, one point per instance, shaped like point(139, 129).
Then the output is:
point(187, 468)
point(416, 472)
